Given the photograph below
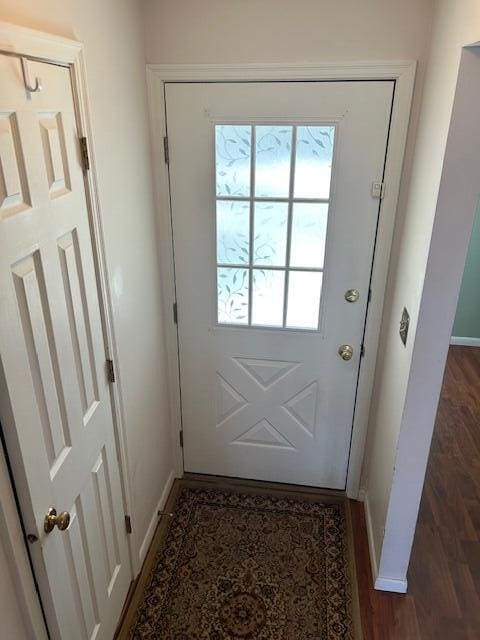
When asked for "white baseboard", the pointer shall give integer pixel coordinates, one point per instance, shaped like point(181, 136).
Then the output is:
point(465, 342)
point(362, 494)
point(154, 521)
point(371, 543)
point(379, 582)
point(391, 584)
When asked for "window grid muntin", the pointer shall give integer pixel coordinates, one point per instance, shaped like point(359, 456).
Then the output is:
point(253, 164)
point(289, 225)
point(291, 200)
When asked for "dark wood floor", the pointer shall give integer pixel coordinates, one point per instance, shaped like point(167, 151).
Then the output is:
point(443, 602)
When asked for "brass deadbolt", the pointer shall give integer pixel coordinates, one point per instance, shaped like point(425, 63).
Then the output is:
point(352, 295)
point(345, 351)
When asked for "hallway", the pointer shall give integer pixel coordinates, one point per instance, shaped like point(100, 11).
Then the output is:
point(232, 238)
point(444, 578)
point(443, 600)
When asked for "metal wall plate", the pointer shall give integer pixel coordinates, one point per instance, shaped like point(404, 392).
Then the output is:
point(404, 325)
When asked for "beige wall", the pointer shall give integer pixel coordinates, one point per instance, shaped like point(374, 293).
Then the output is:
point(112, 34)
point(219, 31)
point(396, 429)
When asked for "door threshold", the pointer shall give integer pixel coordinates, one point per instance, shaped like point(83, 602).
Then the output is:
point(228, 481)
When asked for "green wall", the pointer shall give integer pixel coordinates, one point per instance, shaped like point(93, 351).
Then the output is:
point(467, 320)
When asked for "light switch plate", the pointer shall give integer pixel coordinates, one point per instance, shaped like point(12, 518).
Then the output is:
point(404, 325)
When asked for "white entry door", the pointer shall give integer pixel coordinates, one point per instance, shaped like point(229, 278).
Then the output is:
point(274, 216)
point(55, 404)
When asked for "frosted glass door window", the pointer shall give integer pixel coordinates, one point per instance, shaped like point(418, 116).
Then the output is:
point(232, 159)
point(272, 200)
point(267, 297)
point(303, 304)
point(313, 162)
point(270, 233)
point(232, 295)
point(273, 150)
point(309, 232)
point(233, 223)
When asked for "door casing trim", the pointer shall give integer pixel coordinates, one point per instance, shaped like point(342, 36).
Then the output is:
point(403, 73)
point(19, 40)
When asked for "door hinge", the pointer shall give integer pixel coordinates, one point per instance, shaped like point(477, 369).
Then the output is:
point(128, 524)
point(369, 295)
point(362, 351)
point(110, 371)
point(84, 152)
point(378, 190)
point(165, 150)
point(175, 313)
point(180, 437)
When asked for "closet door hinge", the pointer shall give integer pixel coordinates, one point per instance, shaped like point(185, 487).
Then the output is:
point(128, 524)
point(165, 150)
point(175, 313)
point(84, 152)
point(180, 435)
point(110, 371)
point(362, 351)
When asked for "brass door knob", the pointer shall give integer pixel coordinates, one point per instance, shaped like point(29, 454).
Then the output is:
point(352, 295)
point(52, 520)
point(345, 351)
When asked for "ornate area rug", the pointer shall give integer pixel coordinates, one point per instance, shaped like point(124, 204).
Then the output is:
point(251, 566)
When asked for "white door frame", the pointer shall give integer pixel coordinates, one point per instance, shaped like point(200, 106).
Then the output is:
point(46, 47)
point(403, 73)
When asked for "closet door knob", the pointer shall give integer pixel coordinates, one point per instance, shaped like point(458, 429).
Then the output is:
point(53, 520)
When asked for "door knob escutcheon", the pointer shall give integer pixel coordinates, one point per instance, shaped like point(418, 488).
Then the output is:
point(53, 520)
point(345, 351)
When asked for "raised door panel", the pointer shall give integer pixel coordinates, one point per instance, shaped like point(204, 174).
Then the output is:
point(43, 358)
point(80, 571)
point(79, 321)
point(55, 153)
point(14, 192)
point(105, 515)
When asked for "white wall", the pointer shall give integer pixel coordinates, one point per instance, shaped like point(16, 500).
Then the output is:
point(409, 379)
point(9, 606)
point(112, 33)
point(240, 31)
point(467, 317)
